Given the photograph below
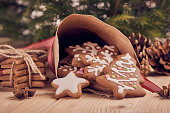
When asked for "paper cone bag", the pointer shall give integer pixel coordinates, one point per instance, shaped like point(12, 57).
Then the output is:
point(77, 29)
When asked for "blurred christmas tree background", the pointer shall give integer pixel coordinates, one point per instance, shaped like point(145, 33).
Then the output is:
point(35, 20)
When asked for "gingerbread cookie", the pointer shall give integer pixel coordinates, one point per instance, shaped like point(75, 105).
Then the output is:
point(87, 47)
point(77, 62)
point(90, 53)
point(94, 63)
point(69, 85)
point(89, 59)
point(94, 70)
point(80, 72)
point(108, 53)
point(64, 70)
point(122, 77)
point(94, 85)
point(91, 47)
point(112, 49)
point(66, 61)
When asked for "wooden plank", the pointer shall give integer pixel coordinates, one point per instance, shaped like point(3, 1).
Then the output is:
point(45, 102)
point(41, 99)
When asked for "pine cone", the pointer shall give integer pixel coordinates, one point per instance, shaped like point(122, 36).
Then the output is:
point(159, 57)
point(165, 93)
point(140, 43)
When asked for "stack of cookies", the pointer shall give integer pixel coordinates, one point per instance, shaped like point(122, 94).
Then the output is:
point(20, 73)
point(100, 68)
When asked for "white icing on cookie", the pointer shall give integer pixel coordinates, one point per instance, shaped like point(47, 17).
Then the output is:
point(121, 86)
point(87, 47)
point(98, 47)
point(65, 70)
point(77, 48)
point(95, 69)
point(121, 72)
point(92, 46)
point(60, 67)
point(78, 59)
point(95, 59)
point(111, 48)
point(77, 56)
point(70, 82)
point(107, 56)
point(71, 46)
point(75, 69)
point(66, 66)
point(84, 51)
point(115, 54)
point(120, 64)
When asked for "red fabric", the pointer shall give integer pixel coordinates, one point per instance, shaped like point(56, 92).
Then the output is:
point(42, 44)
point(149, 85)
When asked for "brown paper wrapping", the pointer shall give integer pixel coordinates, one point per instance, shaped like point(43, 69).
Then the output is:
point(77, 29)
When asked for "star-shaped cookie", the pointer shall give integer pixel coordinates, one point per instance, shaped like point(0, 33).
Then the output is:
point(69, 85)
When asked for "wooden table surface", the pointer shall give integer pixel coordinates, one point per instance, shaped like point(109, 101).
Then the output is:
point(45, 102)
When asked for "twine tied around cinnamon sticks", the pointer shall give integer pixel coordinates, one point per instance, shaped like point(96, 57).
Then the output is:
point(10, 52)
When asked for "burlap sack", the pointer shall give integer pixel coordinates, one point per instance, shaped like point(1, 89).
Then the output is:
point(77, 29)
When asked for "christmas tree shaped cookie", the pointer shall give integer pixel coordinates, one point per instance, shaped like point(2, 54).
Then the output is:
point(122, 77)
